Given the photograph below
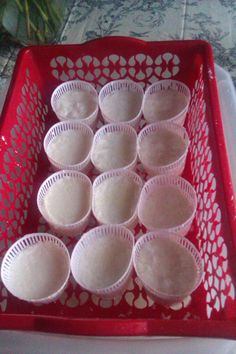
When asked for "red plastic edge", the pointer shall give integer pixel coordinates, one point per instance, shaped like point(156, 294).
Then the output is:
point(119, 327)
point(221, 145)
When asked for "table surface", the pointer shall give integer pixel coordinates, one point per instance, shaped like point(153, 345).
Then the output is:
point(211, 20)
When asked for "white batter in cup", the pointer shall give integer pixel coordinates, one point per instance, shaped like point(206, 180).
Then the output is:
point(115, 197)
point(167, 203)
point(76, 99)
point(36, 268)
point(162, 148)
point(64, 200)
point(114, 146)
point(68, 145)
point(166, 100)
point(101, 261)
point(168, 265)
point(120, 101)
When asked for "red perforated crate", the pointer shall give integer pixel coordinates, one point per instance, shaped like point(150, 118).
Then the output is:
point(27, 115)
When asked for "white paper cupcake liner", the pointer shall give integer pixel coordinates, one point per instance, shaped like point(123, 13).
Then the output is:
point(76, 228)
point(104, 231)
point(21, 245)
point(121, 85)
point(75, 85)
point(167, 85)
point(176, 167)
point(115, 128)
point(132, 176)
point(61, 127)
point(174, 181)
point(157, 295)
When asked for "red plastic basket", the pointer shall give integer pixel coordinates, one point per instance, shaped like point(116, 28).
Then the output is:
point(27, 115)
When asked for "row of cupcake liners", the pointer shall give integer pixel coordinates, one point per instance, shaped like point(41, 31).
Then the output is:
point(118, 86)
point(175, 167)
point(144, 192)
point(73, 262)
point(134, 123)
point(120, 285)
point(168, 175)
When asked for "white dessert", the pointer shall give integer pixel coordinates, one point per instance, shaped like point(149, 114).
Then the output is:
point(115, 200)
point(114, 150)
point(69, 148)
point(161, 148)
point(165, 207)
point(38, 271)
point(167, 266)
point(76, 105)
point(103, 262)
point(122, 106)
point(164, 104)
point(67, 201)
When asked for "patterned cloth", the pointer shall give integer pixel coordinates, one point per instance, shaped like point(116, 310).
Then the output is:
point(211, 20)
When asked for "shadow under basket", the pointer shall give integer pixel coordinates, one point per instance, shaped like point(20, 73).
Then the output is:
point(27, 116)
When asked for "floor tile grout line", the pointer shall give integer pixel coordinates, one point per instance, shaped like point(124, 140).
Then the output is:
point(8, 60)
point(184, 19)
point(67, 20)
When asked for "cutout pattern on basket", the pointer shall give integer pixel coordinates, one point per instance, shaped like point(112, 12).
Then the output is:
point(167, 65)
point(114, 67)
point(21, 159)
point(211, 244)
point(23, 146)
